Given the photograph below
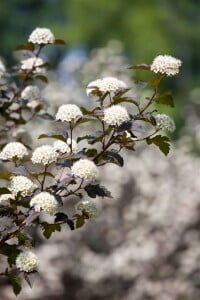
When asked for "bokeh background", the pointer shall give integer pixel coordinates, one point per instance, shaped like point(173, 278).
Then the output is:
point(145, 245)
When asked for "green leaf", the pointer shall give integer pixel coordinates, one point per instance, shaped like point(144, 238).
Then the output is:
point(59, 42)
point(16, 283)
point(154, 82)
point(161, 142)
point(48, 229)
point(52, 135)
point(165, 98)
point(80, 221)
point(28, 46)
point(42, 78)
point(140, 67)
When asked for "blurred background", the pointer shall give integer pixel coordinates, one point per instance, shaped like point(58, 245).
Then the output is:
point(145, 245)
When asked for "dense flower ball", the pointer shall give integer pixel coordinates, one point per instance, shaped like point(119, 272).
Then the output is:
point(165, 122)
point(33, 63)
point(13, 150)
point(63, 147)
point(23, 185)
point(85, 169)
point(107, 84)
point(27, 261)
point(41, 36)
point(115, 115)
point(6, 198)
point(44, 201)
point(2, 69)
point(45, 155)
point(68, 112)
point(31, 93)
point(166, 64)
point(88, 207)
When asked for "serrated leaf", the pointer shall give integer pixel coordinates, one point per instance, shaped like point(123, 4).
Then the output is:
point(48, 229)
point(94, 190)
point(16, 283)
point(52, 135)
point(165, 98)
point(140, 67)
point(161, 142)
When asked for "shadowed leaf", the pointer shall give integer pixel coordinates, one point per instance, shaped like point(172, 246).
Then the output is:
point(161, 142)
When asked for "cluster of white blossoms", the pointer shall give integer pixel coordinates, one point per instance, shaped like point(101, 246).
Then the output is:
point(63, 147)
point(2, 69)
point(85, 169)
point(115, 115)
point(68, 113)
point(44, 201)
point(45, 155)
point(33, 63)
point(22, 185)
point(166, 64)
point(107, 84)
point(6, 198)
point(27, 261)
point(88, 207)
point(165, 122)
point(13, 150)
point(41, 36)
point(31, 93)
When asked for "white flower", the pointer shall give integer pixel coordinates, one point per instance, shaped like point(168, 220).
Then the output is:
point(45, 155)
point(63, 147)
point(27, 261)
point(68, 112)
point(2, 69)
point(85, 169)
point(41, 36)
point(6, 198)
point(165, 122)
point(23, 185)
point(107, 84)
point(44, 201)
point(33, 63)
point(115, 115)
point(31, 93)
point(13, 150)
point(166, 64)
point(88, 207)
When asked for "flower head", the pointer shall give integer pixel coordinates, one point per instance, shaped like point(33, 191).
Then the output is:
point(45, 155)
point(44, 201)
point(68, 112)
point(85, 169)
point(165, 122)
point(23, 185)
point(31, 93)
point(6, 198)
point(41, 36)
point(63, 147)
point(115, 115)
point(88, 207)
point(2, 69)
point(166, 64)
point(13, 150)
point(107, 84)
point(33, 63)
point(27, 261)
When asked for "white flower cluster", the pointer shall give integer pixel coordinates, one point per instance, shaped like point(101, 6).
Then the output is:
point(41, 36)
point(31, 93)
point(115, 115)
point(33, 63)
point(6, 198)
point(63, 147)
point(44, 201)
point(165, 122)
point(166, 64)
point(107, 84)
point(2, 69)
point(45, 155)
point(23, 185)
point(68, 112)
point(27, 261)
point(88, 207)
point(13, 150)
point(85, 169)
